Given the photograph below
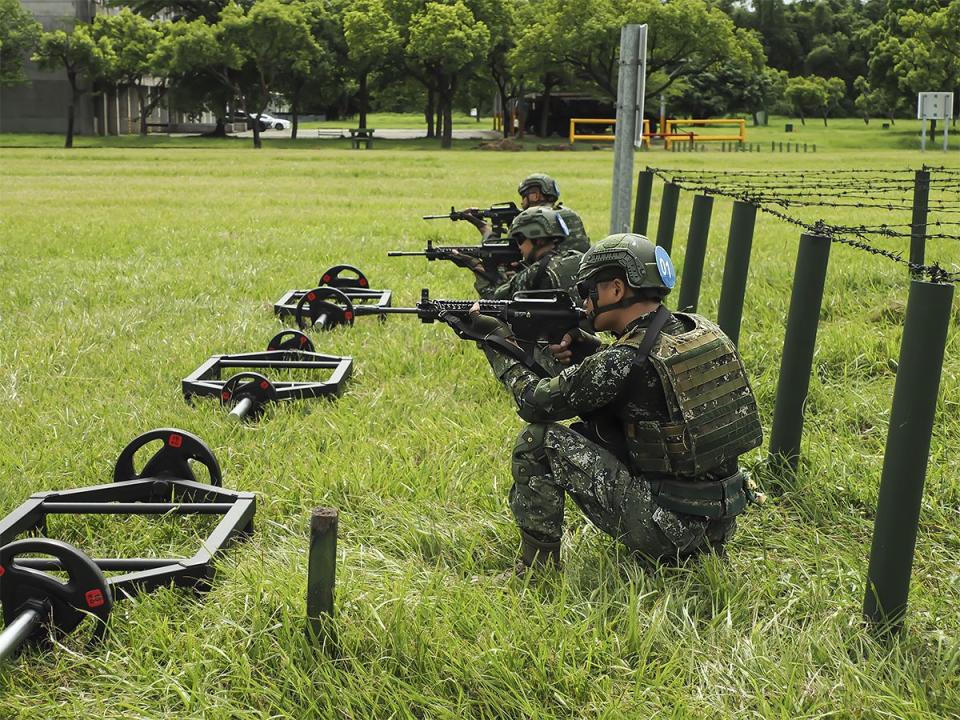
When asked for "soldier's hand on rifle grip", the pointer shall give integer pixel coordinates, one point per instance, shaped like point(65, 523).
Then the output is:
point(561, 351)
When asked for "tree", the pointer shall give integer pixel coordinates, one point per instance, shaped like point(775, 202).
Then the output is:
point(272, 36)
point(685, 38)
point(445, 41)
point(372, 40)
point(931, 59)
point(204, 72)
point(19, 33)
point(81, 56)
point(814, 93)
point(534, 59)
point(135, 40)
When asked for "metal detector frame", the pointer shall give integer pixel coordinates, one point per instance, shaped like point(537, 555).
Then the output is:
point(287, 305)
point(206, 380)
point(160, 495)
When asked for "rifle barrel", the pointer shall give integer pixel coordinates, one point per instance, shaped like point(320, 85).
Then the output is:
point(405, 253)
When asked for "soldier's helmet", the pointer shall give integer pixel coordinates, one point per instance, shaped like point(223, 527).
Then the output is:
point(544, 183)
point(644, 265)
point(538, 223)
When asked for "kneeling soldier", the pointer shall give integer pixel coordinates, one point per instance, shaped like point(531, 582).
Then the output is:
point(666, 411)
point(538, 232)
point(539, 190)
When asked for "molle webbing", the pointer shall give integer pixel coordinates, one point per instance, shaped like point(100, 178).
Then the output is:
point(714, 412)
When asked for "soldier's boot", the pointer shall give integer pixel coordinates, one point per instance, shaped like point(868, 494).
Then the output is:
point(534, 554)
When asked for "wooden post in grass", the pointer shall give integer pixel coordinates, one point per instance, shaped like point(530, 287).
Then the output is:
point(641, 210)
point(668, 216)
point(918, 224)
point(907, 453)
point(696, 253)
point(796, 361)
point(321, 573)
point(735, 268)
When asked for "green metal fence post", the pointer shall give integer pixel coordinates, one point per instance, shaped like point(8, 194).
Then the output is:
point(797, 359)
point(907, 453)
point(668, 216)
point(321, 572)
point(735, 268)
point(695, 254)
point(918, 224)
point(641, 210)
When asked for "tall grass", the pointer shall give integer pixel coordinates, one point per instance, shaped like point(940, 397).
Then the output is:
point(122, 269)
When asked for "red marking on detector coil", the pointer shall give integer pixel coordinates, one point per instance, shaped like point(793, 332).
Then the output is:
point(363, 282)
point(311, 296)
point(325, 279)
point(348, 315)
point(264, 384)
point(225, 395)
point(94, 598)
point(175, 440)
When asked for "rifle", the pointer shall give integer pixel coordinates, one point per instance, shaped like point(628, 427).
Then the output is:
point(536, 317)
point(494, 255)
point(500, 215)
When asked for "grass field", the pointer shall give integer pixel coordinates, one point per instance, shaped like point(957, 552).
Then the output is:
point(123, 268)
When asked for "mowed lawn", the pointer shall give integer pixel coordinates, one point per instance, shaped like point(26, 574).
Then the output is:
point(121, 270)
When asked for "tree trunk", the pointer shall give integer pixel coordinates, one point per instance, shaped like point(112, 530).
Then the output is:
point(364, 99)
point(143, 111)
point(866, 119)
point(428, 112)
point(295, 115)
point(74, 98)
point(257, 142)
point(439, 120)
point(824, 119)
point(933, 128)
point(891, 119)
point(446, 106)
point(802, 119)
point(545, 112)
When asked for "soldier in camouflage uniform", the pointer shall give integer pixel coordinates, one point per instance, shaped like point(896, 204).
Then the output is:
point(539, 190)
point(539, 232)
point(666, 411)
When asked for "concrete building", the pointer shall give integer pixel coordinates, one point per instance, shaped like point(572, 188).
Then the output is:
point(40, 106)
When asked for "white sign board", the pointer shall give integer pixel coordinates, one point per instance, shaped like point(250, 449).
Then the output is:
point(935, 106)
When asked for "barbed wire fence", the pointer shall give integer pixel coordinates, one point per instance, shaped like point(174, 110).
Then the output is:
point(797, 197)
point(790, 195)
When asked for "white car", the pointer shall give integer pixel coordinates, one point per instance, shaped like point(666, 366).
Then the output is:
point(273, 122)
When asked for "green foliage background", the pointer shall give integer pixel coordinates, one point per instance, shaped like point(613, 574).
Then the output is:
point(123, 268)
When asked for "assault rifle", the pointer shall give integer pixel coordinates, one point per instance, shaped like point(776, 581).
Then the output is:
point(536, 317)
point(500, 215)
point(493, 255)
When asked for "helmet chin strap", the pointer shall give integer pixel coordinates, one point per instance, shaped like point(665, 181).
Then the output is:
point(599, 309)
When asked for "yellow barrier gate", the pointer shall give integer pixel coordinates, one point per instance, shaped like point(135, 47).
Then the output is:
point(574, 136)
point(671, 135)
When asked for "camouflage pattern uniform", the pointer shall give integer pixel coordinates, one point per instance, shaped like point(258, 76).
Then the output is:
point(626, 467)
point(557, 270)
point(577, 238)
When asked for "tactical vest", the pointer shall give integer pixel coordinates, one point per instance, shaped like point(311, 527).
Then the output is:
point(713, 414)
point(577, 239)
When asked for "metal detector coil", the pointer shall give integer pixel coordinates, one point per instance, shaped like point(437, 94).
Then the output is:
point(34, 601)
point(247, 392)
point(355, 286)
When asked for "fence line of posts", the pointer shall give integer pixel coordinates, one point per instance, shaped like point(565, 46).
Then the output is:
point(918, 373)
